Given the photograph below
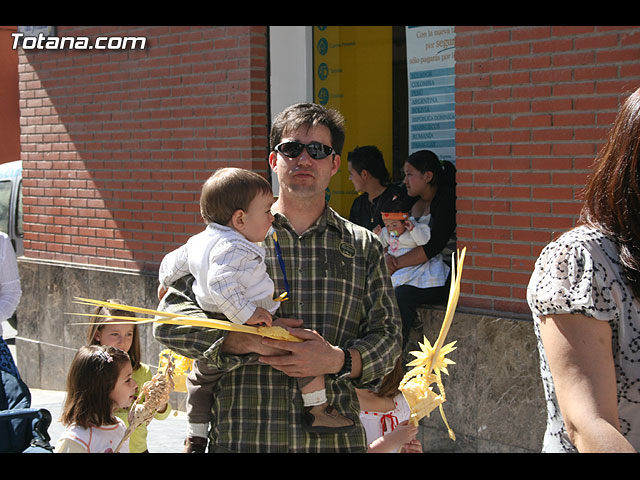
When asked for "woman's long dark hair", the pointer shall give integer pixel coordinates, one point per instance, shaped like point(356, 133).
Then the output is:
point(444, 172)
point(612, 193)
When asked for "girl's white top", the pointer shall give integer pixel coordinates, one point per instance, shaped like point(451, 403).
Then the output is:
point(104, 439)
point(432, 273)
point(378, 424)
point(229, 270)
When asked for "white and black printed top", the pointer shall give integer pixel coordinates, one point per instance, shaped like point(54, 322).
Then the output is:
point(581, 273)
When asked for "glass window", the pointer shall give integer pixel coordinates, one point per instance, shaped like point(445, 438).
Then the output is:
point(353, 74)
point(5, 204)
point(395, 87)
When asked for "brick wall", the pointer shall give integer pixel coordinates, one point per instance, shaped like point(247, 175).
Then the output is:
point(116, 144)
point(533, 106)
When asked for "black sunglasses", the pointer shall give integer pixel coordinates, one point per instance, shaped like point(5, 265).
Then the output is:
point(316, 150)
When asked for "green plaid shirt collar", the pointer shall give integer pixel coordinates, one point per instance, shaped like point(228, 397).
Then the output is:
point(329, 217)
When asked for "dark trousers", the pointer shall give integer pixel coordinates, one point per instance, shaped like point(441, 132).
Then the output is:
point(410, 298)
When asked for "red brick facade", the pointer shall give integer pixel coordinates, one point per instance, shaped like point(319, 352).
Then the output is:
point(533, 106)
point(116, 144)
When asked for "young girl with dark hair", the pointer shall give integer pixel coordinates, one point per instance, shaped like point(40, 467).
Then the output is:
point(104, 331)
point(99, 382)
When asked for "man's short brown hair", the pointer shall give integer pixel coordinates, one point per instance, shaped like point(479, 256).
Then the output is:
point(230, 189)
point(310, 115)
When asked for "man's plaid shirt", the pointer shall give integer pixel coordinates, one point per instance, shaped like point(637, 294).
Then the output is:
point(341, 288)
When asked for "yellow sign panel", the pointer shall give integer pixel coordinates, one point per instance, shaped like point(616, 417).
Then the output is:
point(353, 74)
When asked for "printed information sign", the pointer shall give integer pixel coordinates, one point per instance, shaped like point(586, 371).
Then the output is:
point(431, 77)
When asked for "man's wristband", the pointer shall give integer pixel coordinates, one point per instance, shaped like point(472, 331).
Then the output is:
point(345, 371)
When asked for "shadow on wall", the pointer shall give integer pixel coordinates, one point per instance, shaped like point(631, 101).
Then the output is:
point(116, 144)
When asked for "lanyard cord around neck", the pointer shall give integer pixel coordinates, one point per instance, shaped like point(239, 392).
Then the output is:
point(284, 296)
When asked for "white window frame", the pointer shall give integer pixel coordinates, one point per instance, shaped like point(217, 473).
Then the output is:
point(291, 67)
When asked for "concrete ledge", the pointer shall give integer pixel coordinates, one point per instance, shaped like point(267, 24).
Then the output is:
point(46, 338)
point(495, 401)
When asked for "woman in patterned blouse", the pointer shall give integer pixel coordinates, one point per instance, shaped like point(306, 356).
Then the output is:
point(584, 294)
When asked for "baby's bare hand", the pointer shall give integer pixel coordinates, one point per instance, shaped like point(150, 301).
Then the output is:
point(162, 290)
point(260, 317)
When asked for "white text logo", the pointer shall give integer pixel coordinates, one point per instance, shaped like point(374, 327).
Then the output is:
point(41, 42)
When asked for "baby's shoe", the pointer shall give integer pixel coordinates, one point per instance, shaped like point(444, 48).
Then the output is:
point(325, 418)
point(195, 445)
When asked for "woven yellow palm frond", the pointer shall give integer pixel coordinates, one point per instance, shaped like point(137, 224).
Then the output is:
point(181, 368)
point(274, 332)
point(431, 361)
point(153, 395)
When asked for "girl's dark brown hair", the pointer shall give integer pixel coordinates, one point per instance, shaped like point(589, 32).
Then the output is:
point(98, 322)
point(91, 378)
point(391, 382)
point(612, 193)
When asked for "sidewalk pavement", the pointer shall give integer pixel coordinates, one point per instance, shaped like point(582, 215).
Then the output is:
point(165, 436)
